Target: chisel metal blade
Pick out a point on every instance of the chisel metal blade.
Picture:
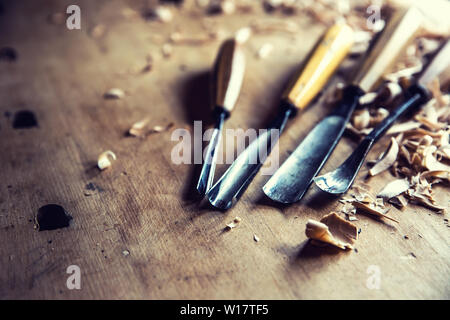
(235, 180)
(293, 178)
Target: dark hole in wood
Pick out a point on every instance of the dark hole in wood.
(24, 119)
(51, 217)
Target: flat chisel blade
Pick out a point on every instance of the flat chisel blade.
(293, 178)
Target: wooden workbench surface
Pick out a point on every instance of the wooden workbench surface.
(177, 248)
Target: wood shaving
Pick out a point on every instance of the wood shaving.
(373, 210)
(388, 160)
(361, 119)
(333, 230)
(424, 201)
(264, 51)
(163, 14)
(114, 93)
(159, 129)
(394, 188)
(403, 127)
(368, 98)
(255, 238)
(140, 128)
(228, 7)
(389, 92)
(233, 224)
(105, 159)
(243, 34)
(137, 130)
(399, 201)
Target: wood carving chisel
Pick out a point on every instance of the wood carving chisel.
(340, 180)
(324, 60)
(291, 181)
(228, 74)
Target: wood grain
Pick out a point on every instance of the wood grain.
(143, 203)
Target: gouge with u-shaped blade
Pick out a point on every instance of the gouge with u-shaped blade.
(326, 57)
(291, 181)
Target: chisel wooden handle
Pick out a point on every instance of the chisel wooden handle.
(398, 32)
(323, 62)
(228, 75)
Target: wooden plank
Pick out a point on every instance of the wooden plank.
(177, 248)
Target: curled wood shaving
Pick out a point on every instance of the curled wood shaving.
(424, 201)
(404, 73)
(161, 13)
(114, 93)
(105, 159)
(137, 129)
(333, 230)
(388, 160)
(264, 51)
(243, 34)
(394, 188)
(403, 127)
(368, 98)
(399, 201)
(233, 224)
(371, 209)
(437, 174)
(361, 119)
(158, 129)
(390, 91)
(256, 238)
